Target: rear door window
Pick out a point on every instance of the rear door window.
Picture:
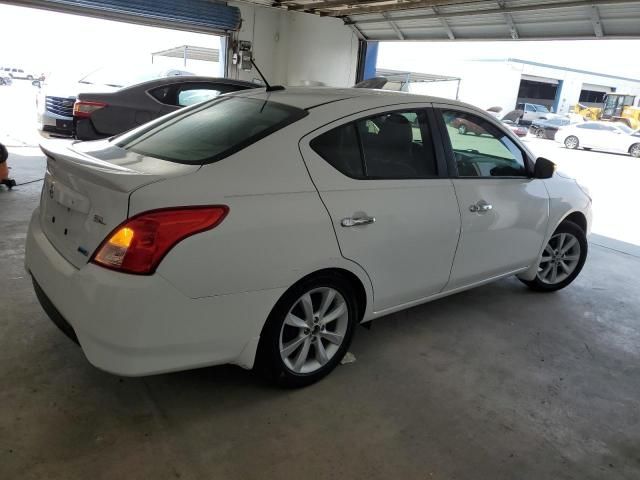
(394, 145)
(210, 131)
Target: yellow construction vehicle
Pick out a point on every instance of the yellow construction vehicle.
(617, 107)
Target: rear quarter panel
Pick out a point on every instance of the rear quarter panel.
(277, 230)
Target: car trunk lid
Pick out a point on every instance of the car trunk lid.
(86, 192)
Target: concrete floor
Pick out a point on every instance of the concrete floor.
(495, 383)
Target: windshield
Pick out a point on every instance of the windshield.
(208, 132)
(624, 128)
(558, 121)
(123, 77)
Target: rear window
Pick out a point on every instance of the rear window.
(211, 131)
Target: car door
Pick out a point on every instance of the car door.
(504, 210)
(392, 207)
(618, 139)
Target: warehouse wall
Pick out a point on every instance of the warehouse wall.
(295, 48)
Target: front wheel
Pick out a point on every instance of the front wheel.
(309, 331)
(571, 142)
(634, 151)
(562, 259)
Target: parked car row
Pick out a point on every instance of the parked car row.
(18, 73)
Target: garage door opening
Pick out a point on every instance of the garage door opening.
(538, 82)
(539, 91)
(45, 74)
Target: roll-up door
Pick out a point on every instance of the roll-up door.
(193, 15)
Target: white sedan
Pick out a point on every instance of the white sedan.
(260, 228)
(606, 136)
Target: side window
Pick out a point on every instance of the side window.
(339, 147)
(529, 108)
(482, 149)
(393, 146)
(162, 94)
(192, 96)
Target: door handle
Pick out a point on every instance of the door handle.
(480, 207)
(352, 222)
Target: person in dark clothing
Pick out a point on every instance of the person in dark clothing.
(4, 169)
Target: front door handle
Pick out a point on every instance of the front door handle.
(480, 207)
(354, 221)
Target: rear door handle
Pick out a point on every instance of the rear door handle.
(480, 207)
(352, 222)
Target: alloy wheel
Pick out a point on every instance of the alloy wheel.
(462, 129)
(635, 150)
(571, 142)
(559, 258)
(540, 133)
(313, 330)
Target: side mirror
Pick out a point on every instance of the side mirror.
(544, 168)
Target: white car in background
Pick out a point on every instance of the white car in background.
(261, 227)
(605, 136)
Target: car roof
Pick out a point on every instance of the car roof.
(311, 97)
(177, 79)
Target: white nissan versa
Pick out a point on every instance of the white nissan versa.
(261, 227)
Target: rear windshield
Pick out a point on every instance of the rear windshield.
(211, 131)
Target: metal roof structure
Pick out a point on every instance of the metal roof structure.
(189, 52)
(479, 20)
(400, 80)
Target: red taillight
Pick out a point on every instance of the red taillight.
(140, 243)
(84, 109)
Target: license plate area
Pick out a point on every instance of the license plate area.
(63, 217)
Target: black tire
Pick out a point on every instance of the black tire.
(269, 362)
(634, 150)
(462, 129)
(571, 228)
(571, 142)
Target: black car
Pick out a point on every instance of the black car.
(548, 128)
(101, 115)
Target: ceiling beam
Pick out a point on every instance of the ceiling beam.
(445, 24)
(354, 28)
(488, 11)
(393, 25)
(596, 22)
(510, 23)
(357, 7)
(327, 4)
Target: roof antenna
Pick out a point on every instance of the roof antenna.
(270, 88)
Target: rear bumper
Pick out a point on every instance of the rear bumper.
(84, 130)
(138, 325)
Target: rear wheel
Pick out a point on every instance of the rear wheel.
(571, 142)
(308, 331)
(540, 133)
(462, 129)
(562, 259)
(634, 151)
